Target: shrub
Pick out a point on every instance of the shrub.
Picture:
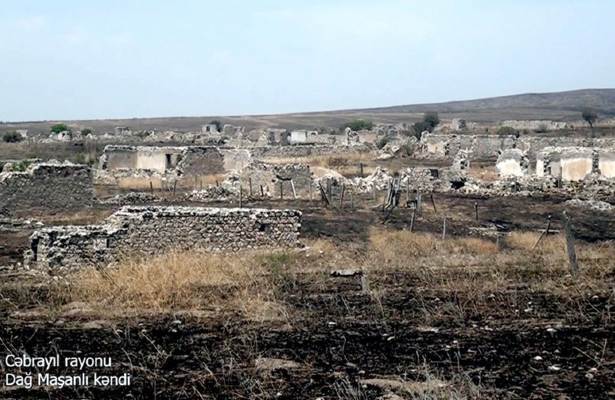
(506, 131)
(359, 125)
(429, 123)
(217, 123)
(86, 131)
(12, 137)
(57, 128)
(380, 143)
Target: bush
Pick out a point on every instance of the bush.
(429, 123)
(506, 131)
(12, 137)
(432, 119)
(359, 125)
(217, 123)
(57, 128)
(86, 131)
(380, 143)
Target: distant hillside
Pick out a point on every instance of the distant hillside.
(561, 106)
(602, 100)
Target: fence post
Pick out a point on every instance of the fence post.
(572, 255)
(444, 228)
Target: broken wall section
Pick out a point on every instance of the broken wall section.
(146, 231)
(46, 186)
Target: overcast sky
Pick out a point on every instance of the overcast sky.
(66, 59)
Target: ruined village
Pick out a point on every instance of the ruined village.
(428, 259)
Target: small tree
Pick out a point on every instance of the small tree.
(217, 123)
(590, 117)
(12, 137)
(57, 128)
(86, 131)
(359, 125)
(507, 131)
(429, 123)
(432, 119)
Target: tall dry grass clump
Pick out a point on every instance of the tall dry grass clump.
(404, 248)
(178, 281)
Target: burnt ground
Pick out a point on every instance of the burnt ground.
(353, 222)
(338, 334)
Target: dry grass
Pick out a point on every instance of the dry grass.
(190, 281)
(256, 284)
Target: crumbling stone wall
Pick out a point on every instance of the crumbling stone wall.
(275, 179)
(306, 151)
(512, 162)
(606, 162)
(567, 163)
(46, 186)
(135, 232)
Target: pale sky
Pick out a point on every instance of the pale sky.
(69, 59)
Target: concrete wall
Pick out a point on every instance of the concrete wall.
(46, 187)
(135, 232)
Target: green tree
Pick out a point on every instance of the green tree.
(359, 125)
(57, 128)
(429, 123)
(12, 137)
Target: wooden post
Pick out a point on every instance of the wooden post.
(361, 167)
(433, 203)
(151, 187)
(281, 190)
(250, 185)
(262, 191)
(408, 191)
(217, 184)
(572, 255)
(292, 186)
(419, 202)
(444, 228)
(342, 196)
(545, 233)
(240, 196)
(323, 194)
(413, 219)
(476, 210)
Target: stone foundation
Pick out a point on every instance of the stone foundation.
(137, 232)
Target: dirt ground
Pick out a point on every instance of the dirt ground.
(338, 340)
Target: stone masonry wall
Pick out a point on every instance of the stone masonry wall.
(136, 232)
(46, 186)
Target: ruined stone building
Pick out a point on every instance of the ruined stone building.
(135, 232)
(46, 186)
